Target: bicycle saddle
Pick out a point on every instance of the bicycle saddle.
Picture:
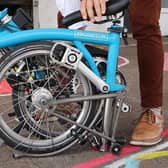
(112, 7)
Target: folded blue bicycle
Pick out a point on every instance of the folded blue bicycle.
(64, 90)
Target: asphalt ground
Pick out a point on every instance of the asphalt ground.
(79, 156)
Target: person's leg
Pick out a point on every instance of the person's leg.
(144, 17)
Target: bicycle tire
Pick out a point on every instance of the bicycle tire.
(39, 146)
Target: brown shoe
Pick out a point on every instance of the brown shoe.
(148, 130)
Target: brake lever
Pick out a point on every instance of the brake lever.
(109, 18)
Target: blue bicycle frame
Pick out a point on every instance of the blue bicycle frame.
(77, 37)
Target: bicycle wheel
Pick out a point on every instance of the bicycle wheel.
(26, 123)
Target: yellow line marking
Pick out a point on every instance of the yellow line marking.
(153, 155)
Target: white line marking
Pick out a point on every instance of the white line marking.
(126, 61)
(3, 95)
(122, 161)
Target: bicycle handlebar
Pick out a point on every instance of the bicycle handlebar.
(112, 7)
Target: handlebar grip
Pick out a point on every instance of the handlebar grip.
(112, 7)
(71, 19)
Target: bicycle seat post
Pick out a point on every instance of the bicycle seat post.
(106, 123)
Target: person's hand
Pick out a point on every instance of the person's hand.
(88, 6)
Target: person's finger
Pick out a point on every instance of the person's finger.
(83, 9)
(90, 12)
(97, 7)
(103, 6)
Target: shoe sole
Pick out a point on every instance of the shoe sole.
(145, 143)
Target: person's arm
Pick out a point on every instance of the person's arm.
(88, 6)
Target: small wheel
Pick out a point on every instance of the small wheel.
(126, 108)
(115, 149)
